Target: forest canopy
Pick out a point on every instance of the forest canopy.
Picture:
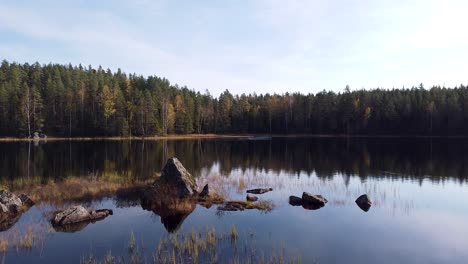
(76, 101)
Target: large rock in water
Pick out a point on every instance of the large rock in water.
(176, 180)
(77, 214)
(11, 208)
(364, 202)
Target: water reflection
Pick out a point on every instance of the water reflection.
(415, 185)
(415, 159)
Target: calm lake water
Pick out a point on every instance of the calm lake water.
(418, 187)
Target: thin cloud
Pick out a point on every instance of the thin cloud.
(262, 46)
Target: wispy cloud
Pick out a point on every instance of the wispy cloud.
(246, 46)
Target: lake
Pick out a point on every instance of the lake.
(418, 187)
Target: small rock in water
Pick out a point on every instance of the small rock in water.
(364, 202)
(294, 200)
(260, 190)
(251, 197)
(206, 191)
(314, 200)
(78, 214)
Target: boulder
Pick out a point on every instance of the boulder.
(176, 180)
(206, 192)
(251, 197)
(260, 190)
(77, 214)
(364, 202)
(11, 208)
(313, 200)
(9, 202)
(295, 201)
(26, 200)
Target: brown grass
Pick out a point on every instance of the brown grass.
(3, 245)
(199, 247)
(76, 188)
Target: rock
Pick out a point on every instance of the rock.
(26, 200)
(173, 196)
(176, 180)
(11, 208)
(260, 190)
(94, 216)
(313, 200)
(243, 205)
(206, 191)
(78, 214)
(231, 207)
(10, 203)
(251, 197)
(295, 201)
(364, 202)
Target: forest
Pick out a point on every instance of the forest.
(76, 101)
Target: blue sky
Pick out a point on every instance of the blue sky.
(248, 46)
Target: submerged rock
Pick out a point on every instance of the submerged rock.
(251, 197)
(295, 201)
(77, 214)
(243, 205)
(11, 208)
(364, 202)
(260, 190)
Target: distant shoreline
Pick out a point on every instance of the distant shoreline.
(215, 136)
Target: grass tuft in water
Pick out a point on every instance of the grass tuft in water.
(196, 247)
(233, 234)
(3, 245)
(131, 243)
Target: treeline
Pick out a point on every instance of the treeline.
(72, 101)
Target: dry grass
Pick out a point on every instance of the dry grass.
(233, 234)
(199, 247)
(131, 242)
(24, 241)
(3, 245)
(76, 188)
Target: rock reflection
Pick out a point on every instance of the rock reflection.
(172, 212)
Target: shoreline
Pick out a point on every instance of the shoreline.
(217, 136)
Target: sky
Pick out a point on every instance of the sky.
(246, 46)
